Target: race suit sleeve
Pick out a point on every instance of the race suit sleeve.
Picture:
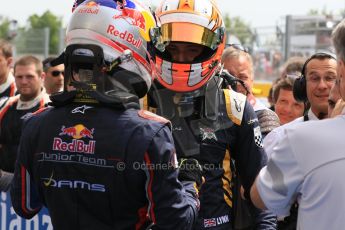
(278, 182)
(251, 159)
(24, 195)
(172, 204)
(250, 156)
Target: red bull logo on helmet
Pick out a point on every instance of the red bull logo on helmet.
(77, 132)
(135, 14)
(89, 8)
(91, 3)
(133, 17)
(127, 36)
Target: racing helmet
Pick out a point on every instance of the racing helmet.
(108, 47)
(188, 21)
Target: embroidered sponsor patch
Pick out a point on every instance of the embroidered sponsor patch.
(208, 133)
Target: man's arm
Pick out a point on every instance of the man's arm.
(256, 199)
(277, 184)
(25, 198)
(173, 205)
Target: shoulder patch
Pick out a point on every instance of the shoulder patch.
(235, 103)
(151, 116)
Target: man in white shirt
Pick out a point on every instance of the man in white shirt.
(313, 87)
(306, 165)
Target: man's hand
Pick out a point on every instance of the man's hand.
(190, 170)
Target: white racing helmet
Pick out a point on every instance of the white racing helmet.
(108, 47)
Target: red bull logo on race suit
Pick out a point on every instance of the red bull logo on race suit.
(79, 146)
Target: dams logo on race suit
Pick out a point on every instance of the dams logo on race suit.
(77, 132)
(72, 184)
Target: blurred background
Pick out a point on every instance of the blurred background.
(273, 31)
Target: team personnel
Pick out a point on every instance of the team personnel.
(313, 87)
(286, 106)
(307, 167)
(210, 122)
(94, 159)
(239, 63)
(53, 76)
(7, 84)
(28, 78)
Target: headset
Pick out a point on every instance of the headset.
(300, 84)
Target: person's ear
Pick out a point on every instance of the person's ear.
(9, 61)
(341, 69)
(43, 76)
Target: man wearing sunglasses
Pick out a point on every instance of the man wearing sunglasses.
(53, 76)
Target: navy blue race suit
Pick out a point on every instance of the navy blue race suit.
(220, 129)
(101, 168)
(11, 120)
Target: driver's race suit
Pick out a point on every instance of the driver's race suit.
(220, 129)
(100, 168)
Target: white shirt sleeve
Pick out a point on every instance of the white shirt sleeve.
(279, 182)
(271, 140)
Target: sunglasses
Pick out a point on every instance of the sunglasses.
(57, 73)
(238, 47)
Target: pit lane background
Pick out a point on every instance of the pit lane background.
(9, 220)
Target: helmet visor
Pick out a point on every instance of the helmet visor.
(188, 32)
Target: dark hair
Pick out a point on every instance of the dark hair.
(46, 62)
(318, 56)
